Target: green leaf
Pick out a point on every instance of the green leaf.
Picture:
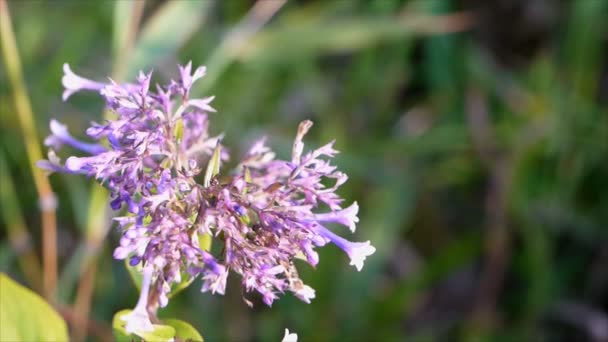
(184, 330)
(213, 168)
(160, 332)
(25, 316)
(305, 36)
(166, 31)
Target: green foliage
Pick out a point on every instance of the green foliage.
(213, 167)
(164, 33)
(25, 316)
(447, 130)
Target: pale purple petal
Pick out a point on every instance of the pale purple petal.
(347, 217)
(203, 104)
(74, 83)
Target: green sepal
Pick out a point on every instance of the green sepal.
(178, 130)
(213, 168)
(204, 242)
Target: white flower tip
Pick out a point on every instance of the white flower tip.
(290, 337)
(352, 212)
(215, 281)
(203, 104)
(305, 293)
(57, 128)
(358, 254)
(66, 94)
(298, 145)
(137, 321)
(198, 73)
(121, 253)
(73, 164)
(70, 81)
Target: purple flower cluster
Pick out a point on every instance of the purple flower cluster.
(262, 215)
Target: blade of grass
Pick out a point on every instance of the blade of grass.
(127, 17)
(310, 37)
(236, 40)
(16, 229)
(164, 33)
(23, 108)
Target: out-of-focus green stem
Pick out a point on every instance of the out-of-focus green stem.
(127, 16)
(237, 38)
(32, 146)
(17, 232)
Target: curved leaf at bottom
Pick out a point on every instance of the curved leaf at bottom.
(25, 316)
(184, 330)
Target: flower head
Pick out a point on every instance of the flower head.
(265, 213)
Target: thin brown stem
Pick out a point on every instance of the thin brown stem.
(483, 316)
(82, 305)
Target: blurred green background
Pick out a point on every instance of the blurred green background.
(475, 135)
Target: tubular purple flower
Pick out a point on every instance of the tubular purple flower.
(187, 78)
(74, 83)
(356, 251)
(138, 320)
(347, 217)
(61, 136)
(215, 275)
(305, 293)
